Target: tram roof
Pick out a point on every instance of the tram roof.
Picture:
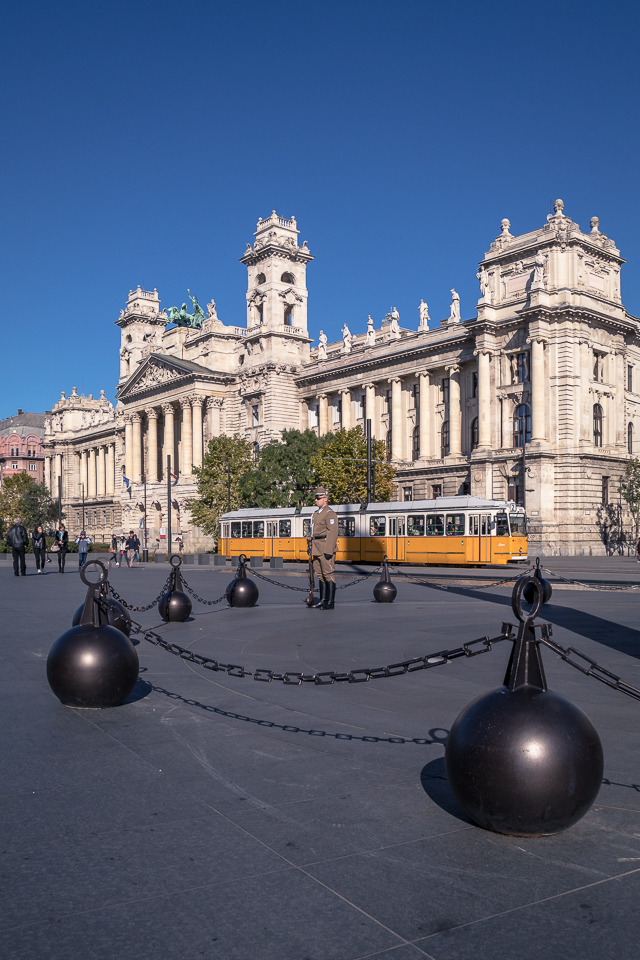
(396, 506)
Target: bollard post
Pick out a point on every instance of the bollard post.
(175, 605)
(385, 591)
(547, 589)
(242, 592)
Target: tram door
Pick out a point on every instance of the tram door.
(480, 534)
(272, 532)
(395, 541)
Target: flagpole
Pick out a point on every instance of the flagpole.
(169, 503)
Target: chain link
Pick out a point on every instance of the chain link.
(276, 583)
(329, 676)
(593, 670)
(210, 603)
(129, 606)
(459, 583)
(593, 586)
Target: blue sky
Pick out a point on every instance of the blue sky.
(142, 141)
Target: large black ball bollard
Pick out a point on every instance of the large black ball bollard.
(547, 589)
(523, 760)
(242, 592)
(116, 616)
(175, 606)
(92, 665)
(385, 591)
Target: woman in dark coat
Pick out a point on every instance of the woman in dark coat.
(62, 540)
(39, 548)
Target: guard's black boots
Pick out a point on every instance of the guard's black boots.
(319, 604)
(330, 597)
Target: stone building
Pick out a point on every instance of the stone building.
(548, 366)
(21, 448)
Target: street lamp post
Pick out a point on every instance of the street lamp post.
(83, 526)
(145, 549)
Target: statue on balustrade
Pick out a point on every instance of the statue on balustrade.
(184, 319)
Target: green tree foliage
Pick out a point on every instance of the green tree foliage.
(341, 464)
(212, 500)
(21, 496)
(630, 490)
(284, 475)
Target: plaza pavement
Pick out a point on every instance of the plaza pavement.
(222, 818)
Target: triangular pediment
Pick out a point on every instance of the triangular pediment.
(158, 371)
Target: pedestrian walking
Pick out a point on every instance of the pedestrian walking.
(18, 539)
(324, 540)
(39, 542)
(638, 549)
(132, 545)
(61, 542)
(84, 542)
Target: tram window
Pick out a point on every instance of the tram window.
(285, 528)
(258, 528)
(377, 526)
(415, 525)
(347, 527)
(473, 526)
(455, 524)
(246, 528)
(502, 525)
(235, 528)
(518, 524)
(306, 528)
(435, 525)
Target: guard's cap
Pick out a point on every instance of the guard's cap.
(322, 491)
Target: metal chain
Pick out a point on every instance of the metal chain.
(593, 670)
(592, 586)
(329, 676)
(210, 603)
(129, 606)
(367, 576)
(459, 583)
(276, 583)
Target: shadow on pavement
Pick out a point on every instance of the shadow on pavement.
(435, 784)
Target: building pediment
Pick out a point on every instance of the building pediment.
(159, 373)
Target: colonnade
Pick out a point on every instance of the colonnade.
(189, 450)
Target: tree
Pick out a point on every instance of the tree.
(284, 475)
(630, 490)
(341, 465)
(224, 455)
(21, 496)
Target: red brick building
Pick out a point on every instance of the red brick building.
(21, 445)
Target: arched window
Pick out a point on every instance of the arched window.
(474, 433)
(287, 278)
(260, 279)
(288, 316)
(416, 443)
(389, 442)
(522, 425)
(444, 439)
(630, 437)
(597, 425)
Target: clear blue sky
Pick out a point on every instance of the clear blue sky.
(142, 141)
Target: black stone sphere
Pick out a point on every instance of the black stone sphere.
(117, 616)
(174, 606)
(385, 591)
(92, 667)
(526, 762)
(528, 592)
(242, 592)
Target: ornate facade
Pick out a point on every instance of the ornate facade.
(550, 361)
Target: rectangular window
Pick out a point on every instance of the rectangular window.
(502, 526)
(415, 525)
(337, 410)
(518, 525)
(435, 525)
(306, 528)
(285, 528)
(347, 527)
(255, 415)
(224, 531)
(455, 524)
(407, 493)
(235, 529)
(605, 491)
(258, 528)
(523, 367)
(246, 528)
(377, 526)
(436, 490)
(313, 415)
(358, 407)
(445, 389)
(630, 378)
(32, 467)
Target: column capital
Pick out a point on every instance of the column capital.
(484, 352)
(136, 417)
(367, 384)
(197, 401)
(185, 403)
(168, 408)
(345, 390)
(425, 373)
(394, 380)
(214, 402)
(537, 339)
(452, 368)
(322, 396)
(152, 413)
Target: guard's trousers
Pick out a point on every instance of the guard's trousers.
(323, 568)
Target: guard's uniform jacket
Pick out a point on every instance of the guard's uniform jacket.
(324, 536)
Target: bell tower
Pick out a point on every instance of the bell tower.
(277, 277)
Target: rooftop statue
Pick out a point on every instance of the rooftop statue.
(183, 319)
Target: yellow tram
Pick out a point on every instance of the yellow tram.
(448, 530)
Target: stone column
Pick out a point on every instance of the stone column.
(111, 469)
(186, 447)
(58, 474)
(538, 392)
(425, 416)
(484, 400)
(47, 473)
(455, 448)
(152, 445)
(137, 448)
(169, 443)
(323, 415)
(397, 425)
(369, 407)
(346, 409)
(507, 422)
(128, 447)
(196, 407)
(92, 490)
(101, 483)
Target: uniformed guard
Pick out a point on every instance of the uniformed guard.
(324, 539)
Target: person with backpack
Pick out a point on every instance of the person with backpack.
(18, 539)
(84, 543)
(132, 546)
